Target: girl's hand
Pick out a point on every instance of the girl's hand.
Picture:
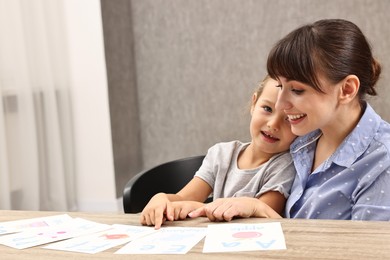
(154, 212)
(227, 208)
(160, 208)
(181, 209)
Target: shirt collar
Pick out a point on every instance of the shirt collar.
(353, 146)
(303, 141)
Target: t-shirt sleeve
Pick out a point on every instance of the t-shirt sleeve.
(279, 175)
(216, 162)
(205, 171)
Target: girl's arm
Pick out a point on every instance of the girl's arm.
(275, 200)
(196, 190)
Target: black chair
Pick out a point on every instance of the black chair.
(168, 177)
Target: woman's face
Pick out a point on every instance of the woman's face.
(306, 108)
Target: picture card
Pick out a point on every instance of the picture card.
(169, 240)
(39, 236)
(117, 235)
(25, 224)
(244, 237)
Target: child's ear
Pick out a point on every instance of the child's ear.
(254, 100)
(349, 88)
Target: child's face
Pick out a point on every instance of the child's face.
(270, 130)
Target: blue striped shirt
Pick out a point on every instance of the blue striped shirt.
(353, 183)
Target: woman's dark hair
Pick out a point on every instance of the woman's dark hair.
(333, 48)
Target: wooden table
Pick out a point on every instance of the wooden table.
(305, 239)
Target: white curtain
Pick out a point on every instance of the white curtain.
(36, 141)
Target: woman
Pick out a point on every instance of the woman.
(342, 158)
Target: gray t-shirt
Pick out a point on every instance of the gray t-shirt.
(219, 169)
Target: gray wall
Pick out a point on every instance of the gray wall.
(195, 64)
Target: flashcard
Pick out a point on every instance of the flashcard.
(98, 242)
(169, 240)
(39, 236)
(24, 224)
(244, 237)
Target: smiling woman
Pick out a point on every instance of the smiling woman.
(324, 70)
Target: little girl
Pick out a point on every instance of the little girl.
(261, 169)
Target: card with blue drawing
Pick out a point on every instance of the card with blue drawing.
(244, 237)
(117, 235)
(172, 240)
(39, 236)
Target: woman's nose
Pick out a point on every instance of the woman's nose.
(281, 103)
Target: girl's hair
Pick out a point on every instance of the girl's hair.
(260, 87)
(333, 48)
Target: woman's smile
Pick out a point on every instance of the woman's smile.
(295, 119)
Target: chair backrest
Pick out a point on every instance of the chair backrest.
(169, 177)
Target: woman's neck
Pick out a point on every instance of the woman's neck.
(333, 135)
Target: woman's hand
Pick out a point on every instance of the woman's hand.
(227, 208)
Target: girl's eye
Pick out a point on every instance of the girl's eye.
(267, 109)
(279, 86)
